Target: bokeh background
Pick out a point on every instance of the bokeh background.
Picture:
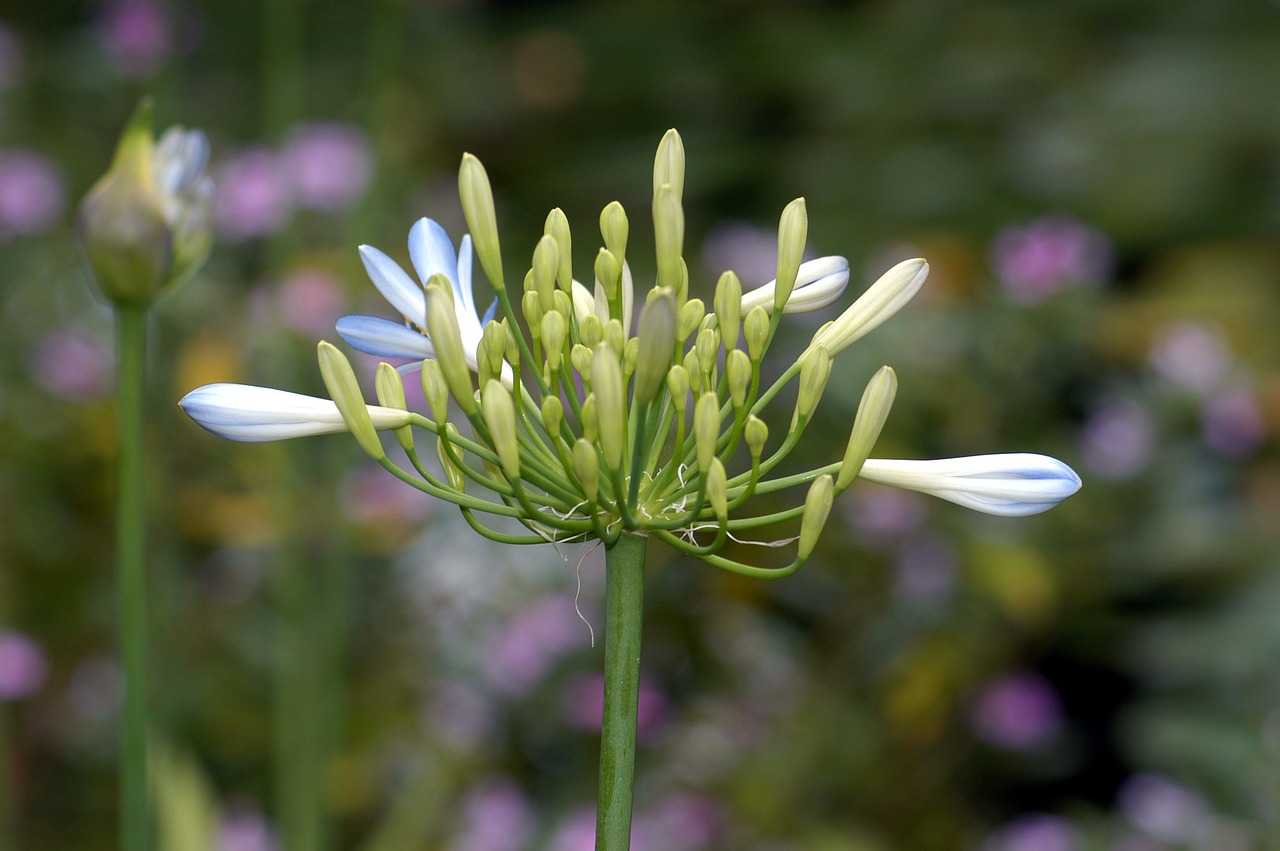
(339, 663)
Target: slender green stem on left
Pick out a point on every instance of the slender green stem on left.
(131, 327)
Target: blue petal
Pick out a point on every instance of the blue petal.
(489, 314)
(384, 338)
(432, 252)
(464, 274)
(396, 287)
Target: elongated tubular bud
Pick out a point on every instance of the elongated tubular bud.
(755, 329)
(554, 333)
(552, 416)
(589, 419)
(586, 467)
(678, 385)
(817, 508)
(690, 318)
(531, 306)
(707, 345)
(614, 228)
(882, 299)
(668, 233)
(452, 474)
(436, 390)
(815, 370)
(657, 341)
(546, 263)
(606, 384)
(717, 489)
(557, 226)
(442, 324)
(1010, 485)
(477, 206)
(737, 368)
(873, 410)
(793, 231)
(728, 305)
(706, 429)
(390, 388)
(344, 390)
(499, 413)
(669, 164)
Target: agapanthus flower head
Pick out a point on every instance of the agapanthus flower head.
(144, 226)
(559, 412)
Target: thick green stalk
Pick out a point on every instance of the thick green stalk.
(624, 604)
(131, 556)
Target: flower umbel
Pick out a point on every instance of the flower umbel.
(584, 427)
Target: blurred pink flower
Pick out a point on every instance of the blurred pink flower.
(881, 515)
(1034, 832)
(23, 665)
(10, 57)
(137, 35)
(245, 830)
(577, 832)
(926, 570)
(310, 300)
(32, 194)
(748, 249)
(1035, 260)
(253, 197)
(329, 165)
(1164, 809)
(72, 366)
(1192, 355)
(496, 816)
(523, 650)
(681, 822)
(1019, 712)
(369, 495)
(1117, 440)
(584, 705)
(1233, 423)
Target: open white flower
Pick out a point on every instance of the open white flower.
(432, 253)
(818, 283)
(252, 414)
(1011, 485)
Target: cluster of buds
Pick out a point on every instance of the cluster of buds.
(579, 423)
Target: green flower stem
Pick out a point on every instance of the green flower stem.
(131, 325)
(624, 604)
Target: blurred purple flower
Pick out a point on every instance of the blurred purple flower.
(1019, 712)
(245, 830)
(496, 816)
(1035, 260)
(681, 822)
(882, 514)
(32, 194)
(1117, 440)
(10, 57)
(72, 366)
(310, 301)
(329, 165)
(1233, 423)
(1164, 809)
(748, 249)
(253, 195)
(461, 713)
(370, 496)
(23, 665)
(1034, 832)
(926, 570)
(523, 650)
(137, 35)
(577, 832)
(1192, 355)
(584, 705)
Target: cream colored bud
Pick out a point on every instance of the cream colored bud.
(669, 164)
(691, 315)
(737, 370)
(344, 390)
(552, 416)
(717, 487)
(630, 353)
(442, 324)
(580, 359)
(436, 390)
(678, 385)
(586, 468)
(611, 406)
(563, 302)
(590, 419)
(390, 389)
(817, 508)
(557, 226)
(656, 343)
(452, 474)
(531, 306)
(546, 262)
(499, 413)
(755, 330)
(511, 346)
(608, 272)
(477, 206)
(815, 370)
(707, 346)
(755, 433)
(882, 299)
(873, 410)
(494, 339)
(615, 337)
(614, 228)
(668, 232)
(793, 231)
(693, 369)
(728, 305)
(706, 429)
(554, 333)
(590, 331)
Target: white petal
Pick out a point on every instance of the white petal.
(465, 258)
(1011, 485)
(584, 304)
(882, 299)
(252, 414)
(395, 285)
(818, 283)
(384, 338)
